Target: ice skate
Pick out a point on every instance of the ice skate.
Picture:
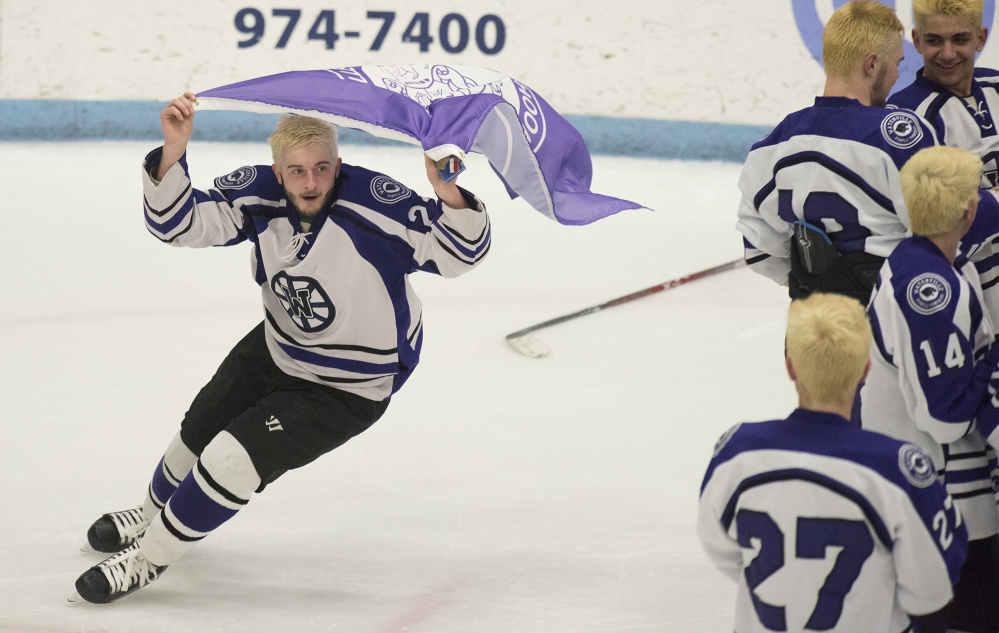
(115, 531)
(116, 577)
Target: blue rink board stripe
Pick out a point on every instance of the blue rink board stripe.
(43, 120)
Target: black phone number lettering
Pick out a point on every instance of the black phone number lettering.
(454, 31)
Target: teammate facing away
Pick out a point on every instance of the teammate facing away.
(932, 358)
(333, 246)
(959, 100)
(825, 526)
(821, 205)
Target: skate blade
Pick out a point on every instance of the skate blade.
(86, 549)
(75, 597)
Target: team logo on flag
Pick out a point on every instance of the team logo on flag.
(306, 302)
(532, 117)
(387, 190)
(928, 293)
(901, 129)
(916, 466)
(237, 179)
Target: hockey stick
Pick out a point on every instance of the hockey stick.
(533, 347)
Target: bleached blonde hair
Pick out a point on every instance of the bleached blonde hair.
(295, 131)
(855, 29)
(828, 342)
(937, 185)
(970, 9)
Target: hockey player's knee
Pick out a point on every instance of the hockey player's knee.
(226, 466)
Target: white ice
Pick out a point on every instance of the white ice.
(499, 494)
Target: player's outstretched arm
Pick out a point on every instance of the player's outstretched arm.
(177, 121)
(446, 191)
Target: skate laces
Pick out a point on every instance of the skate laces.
(130, 524)
(127, 568)
(297, 241)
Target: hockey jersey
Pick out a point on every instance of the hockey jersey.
(834, 165)
(966, 123)
(826, 527)
(339, 308)
(931, 363)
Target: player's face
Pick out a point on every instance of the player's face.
(948, 44)
(308, 175)
(887, 73)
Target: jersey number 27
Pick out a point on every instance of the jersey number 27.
(814, 535)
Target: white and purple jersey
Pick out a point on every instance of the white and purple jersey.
(930, 366)
(966, 123)
(827, 527)
(338, 306)
(963, 122)
(835, 166)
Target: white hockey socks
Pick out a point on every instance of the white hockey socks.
(212, 492)
(175, 464)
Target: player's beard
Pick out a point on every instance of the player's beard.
(880, 89)
(296, 199)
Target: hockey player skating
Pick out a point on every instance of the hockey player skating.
(821, 206)
(824, 526)
(933, 356)
(342, 331)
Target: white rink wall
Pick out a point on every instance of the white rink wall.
(734, 66)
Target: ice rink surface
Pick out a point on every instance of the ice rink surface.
(499, 494)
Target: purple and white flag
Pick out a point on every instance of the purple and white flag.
(449, 111)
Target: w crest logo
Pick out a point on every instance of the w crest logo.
(274, 424)
(306, 302)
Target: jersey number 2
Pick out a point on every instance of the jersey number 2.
(814, 535)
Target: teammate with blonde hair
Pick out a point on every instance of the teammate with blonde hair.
(333, 248)
(821, 205)
(932, 358)
(864, 32)
(850, 530)
(828, 343)
(940, 186)
(960, 101)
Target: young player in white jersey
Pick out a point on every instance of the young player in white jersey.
(932, 358)
(333, 246)
(821, 207)
(824, 526)
(958, 100)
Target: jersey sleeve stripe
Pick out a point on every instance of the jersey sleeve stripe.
(160, 213)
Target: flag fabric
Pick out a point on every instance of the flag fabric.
(449, 111)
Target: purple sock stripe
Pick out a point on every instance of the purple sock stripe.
(195, 510)
(161, 485)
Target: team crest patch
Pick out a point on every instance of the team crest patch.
(723, 440)
(237, 179)
(901, 129)
(387, 190)
(916, 466)
(306, 302)
(928, 293)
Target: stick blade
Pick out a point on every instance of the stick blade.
(529, 346)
